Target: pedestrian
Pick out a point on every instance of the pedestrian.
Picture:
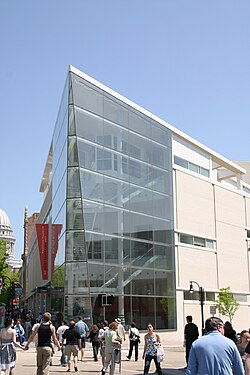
(191, 333)
(120, 330)
(134, 340)
(73, 344)
(230, 332)
(45, 331)
(27, 326)
(7, 347)
(112, 341)
(60, 331)
(151, 343)
(213, 353)
(104, 327)
(35, 339)
(19, 332)
(83, 330)
(243, 342)
(94, 339)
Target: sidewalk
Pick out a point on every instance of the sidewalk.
(173, 363)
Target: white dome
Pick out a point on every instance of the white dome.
(4, 219)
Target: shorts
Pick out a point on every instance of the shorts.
(83, 342)
(71, 349)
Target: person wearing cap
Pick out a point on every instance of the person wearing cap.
(120, 329)
(213, 353)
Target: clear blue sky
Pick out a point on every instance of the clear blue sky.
(187, 61)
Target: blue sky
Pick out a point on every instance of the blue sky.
(187, 61)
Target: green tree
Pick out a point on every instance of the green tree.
(226, 303)
(5, 273)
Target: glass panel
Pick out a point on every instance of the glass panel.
(87, 155)
(113, 279)
(88, 125)
(72, 152)
(86, 96)
(96, 277)
(72, 124)
(74, 189)
(163, 231)
(142, 254)
(143, 283)
(93, 216)
(58, 251)
(204, 172)
(193, 167)
(210, 244)
(92, 186)
(115, 110)
(74, 214)
(112, 220)
(113, 246)
(138, 226)
(119, 135)
(95, 246)
(185, 238)
(165, 313)
(210, 296)
(161, 134)
(162, 206)
(163, 257)
(179, 161)
(75, 247)
(143, 311)
(199, 241)
(140, 124)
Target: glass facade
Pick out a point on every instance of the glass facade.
(112, 197)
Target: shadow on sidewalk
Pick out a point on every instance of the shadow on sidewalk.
(174, 371)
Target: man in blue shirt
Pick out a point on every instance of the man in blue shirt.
(83, 329)
(214, 354)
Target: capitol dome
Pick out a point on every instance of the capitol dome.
(4, 220)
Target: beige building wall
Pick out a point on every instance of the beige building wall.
(194, 205)
(214, 212)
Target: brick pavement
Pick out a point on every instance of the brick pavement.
(172, 365)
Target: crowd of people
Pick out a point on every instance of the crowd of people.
(218, 351)
(70, 338)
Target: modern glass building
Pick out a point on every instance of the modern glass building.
(113, 202)
(135, 209)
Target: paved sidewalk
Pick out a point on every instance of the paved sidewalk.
(173, 363)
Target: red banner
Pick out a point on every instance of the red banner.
(42, 232)
(56, 230)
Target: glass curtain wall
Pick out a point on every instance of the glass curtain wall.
(119, 236)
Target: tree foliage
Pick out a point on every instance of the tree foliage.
(5, 273)
(226, 303)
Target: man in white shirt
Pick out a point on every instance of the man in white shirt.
(60, 331)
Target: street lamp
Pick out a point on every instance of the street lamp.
(201, 299)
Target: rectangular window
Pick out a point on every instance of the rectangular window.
(179, 161)
(196, 241)
(185, 238)
(199, 241)
(191, 166)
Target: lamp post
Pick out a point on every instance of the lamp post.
(201, 299)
